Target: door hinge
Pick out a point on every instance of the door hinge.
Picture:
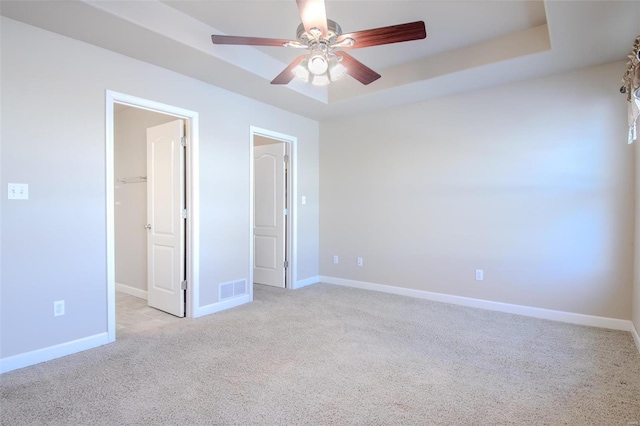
(286, 264)
(183, 285)
(286, 212)
(183, 141)
(286, 158)
(184, 213)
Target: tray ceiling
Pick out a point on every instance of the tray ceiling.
(469, 44)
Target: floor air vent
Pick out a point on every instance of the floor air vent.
(233, 289)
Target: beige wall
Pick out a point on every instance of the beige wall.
(531, 182)
(130, 210)
(53, 91)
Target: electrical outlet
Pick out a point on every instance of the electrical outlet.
(336, 260)
(360, 262)
(479, 275)
(58, 308)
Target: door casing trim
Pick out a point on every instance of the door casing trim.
(192, 195)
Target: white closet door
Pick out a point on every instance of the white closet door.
(166, 227)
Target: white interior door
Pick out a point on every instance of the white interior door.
(269, 214)
(166, 226)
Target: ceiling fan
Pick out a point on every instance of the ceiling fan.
(326, 60)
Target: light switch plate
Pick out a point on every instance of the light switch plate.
(18, 191)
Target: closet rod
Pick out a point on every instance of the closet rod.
(134, 179)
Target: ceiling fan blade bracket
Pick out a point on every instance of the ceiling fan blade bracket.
(296, 45)
(344, 43)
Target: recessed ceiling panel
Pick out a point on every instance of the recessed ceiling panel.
(450, 24)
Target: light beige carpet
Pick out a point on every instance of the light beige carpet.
(337, 356)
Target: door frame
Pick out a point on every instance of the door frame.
(291, 274)
(192, 197)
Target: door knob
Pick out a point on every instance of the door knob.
(147, 226)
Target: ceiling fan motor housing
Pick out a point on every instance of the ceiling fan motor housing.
(333, 32)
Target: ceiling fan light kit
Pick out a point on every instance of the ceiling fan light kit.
(325, 62)
(320, 68)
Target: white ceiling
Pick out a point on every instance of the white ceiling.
(469, 45)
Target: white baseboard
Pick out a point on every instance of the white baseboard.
(570, 317)
(132, 291)
(636, 336)
(52, 352)
(307, 281)
(221, 306)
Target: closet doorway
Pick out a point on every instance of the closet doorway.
(273, 213)
(150, 240)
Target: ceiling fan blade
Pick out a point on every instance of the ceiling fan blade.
(386, 35)
(249, 41)
(313, 14)
(287, 75)
(357, 69)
